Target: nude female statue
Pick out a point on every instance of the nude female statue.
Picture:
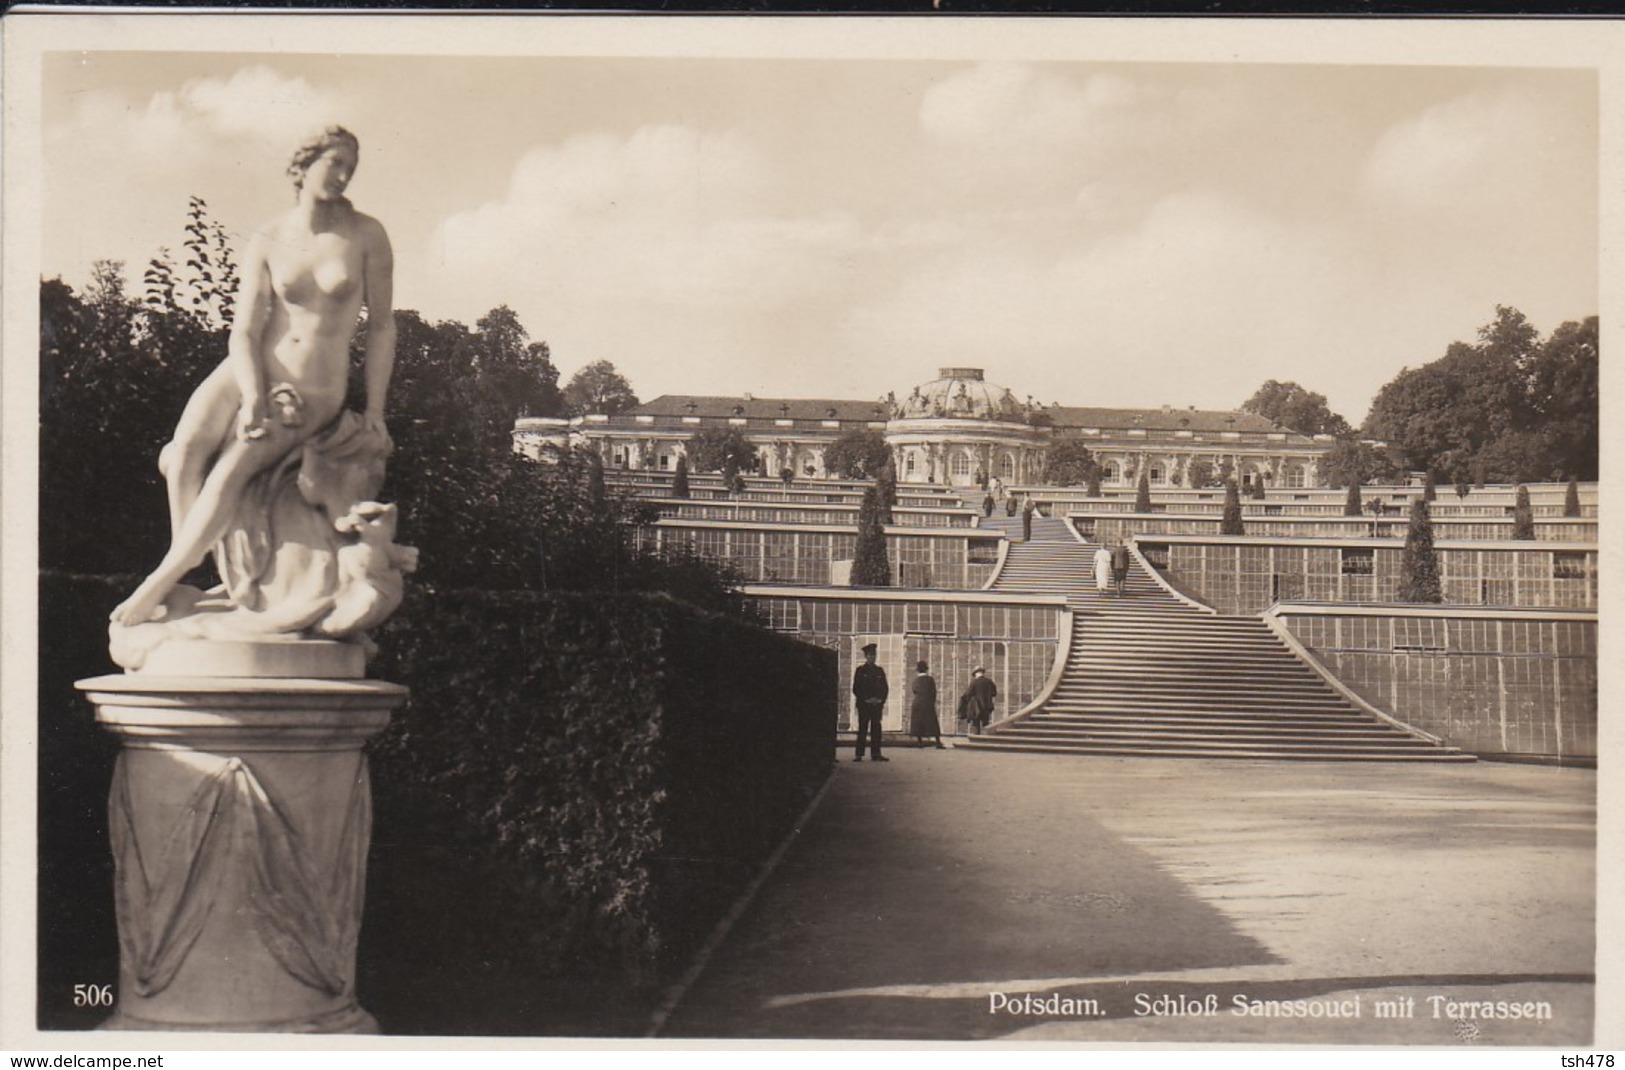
(306, 276)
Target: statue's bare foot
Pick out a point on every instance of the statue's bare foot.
(145, 605)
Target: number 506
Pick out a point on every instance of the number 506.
(92, 995)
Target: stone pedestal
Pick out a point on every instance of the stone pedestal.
(240, 818)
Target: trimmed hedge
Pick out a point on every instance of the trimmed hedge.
(587, 783)
(578, 789)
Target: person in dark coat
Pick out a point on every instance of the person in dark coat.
(978, 700)
(1027, 520)
(922, 712)
(870, 689)
(987, 505)
(1120, 566)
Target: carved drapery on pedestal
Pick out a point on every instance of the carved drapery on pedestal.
(240, 814)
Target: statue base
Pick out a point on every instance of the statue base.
(240, 818)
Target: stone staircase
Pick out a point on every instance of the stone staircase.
(1149, 675)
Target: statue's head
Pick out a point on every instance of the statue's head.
(307, 153)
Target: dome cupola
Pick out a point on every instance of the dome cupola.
(960, 394)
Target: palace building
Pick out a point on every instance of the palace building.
(955, 430)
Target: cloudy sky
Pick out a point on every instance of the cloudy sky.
(1089, 233)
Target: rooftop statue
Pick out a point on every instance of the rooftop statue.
(267, 468)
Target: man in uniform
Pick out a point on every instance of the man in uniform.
(869, 688)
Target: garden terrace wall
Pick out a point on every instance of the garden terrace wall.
(929, 558)
(712, 488)
(1015, 637)
(1497, 683)
(1111, 527)
(844, 515)
(1546, 499)
(1244, 574)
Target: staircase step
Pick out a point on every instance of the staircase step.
(1216, 738)
(1150, 675)
(1072, 718)
(1386, 754)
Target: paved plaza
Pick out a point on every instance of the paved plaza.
(954, 895)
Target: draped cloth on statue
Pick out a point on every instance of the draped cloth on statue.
(308, 554)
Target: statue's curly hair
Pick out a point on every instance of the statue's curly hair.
(306, 153)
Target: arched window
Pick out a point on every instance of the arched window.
(1157, 474)
(1007, 466)
(961, 464)
(908, 463)
(1293, 475)
(1113, 472)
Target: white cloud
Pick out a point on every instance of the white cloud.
(175, 130)
(664, 217)
(1492, 152)
(665, 244)
(1172, 295)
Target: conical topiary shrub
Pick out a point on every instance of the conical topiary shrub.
(1419, 567)
(1231, 523)
(1523, 515)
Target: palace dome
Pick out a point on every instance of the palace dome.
(960, 394)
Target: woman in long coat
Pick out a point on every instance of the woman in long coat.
(922, 711)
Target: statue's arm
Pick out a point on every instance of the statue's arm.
(245, 348)
(380, 297)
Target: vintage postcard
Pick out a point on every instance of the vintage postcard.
(483, 494)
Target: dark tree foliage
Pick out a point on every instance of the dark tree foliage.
(1523, 515)
(870, 565)
(1200, 473)
(1419, 565)
(516, 375)
(1142, 492)
(113, 380)
(857, 454)
(721, 449)
(1508, 408)
(1564, 386)
(1430, 488)
(1294, 407)
(212, 295)
(679, 480)
(1255, 489)
(1351, 461)
(1352, 505)
(599, 388)
(1571, 498)
(1069, 463)
(1230, 523)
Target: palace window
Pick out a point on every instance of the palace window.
(961, 464)
(1293, 475)
(1568, 566)
(1007, 466)
(1157, 474)
(1113, 472)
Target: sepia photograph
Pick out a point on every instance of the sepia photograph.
(554, 529)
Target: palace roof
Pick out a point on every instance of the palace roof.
(1209, 421)
(754, 408)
